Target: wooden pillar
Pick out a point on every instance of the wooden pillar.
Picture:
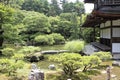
(111, 30)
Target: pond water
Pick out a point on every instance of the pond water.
(54, 47)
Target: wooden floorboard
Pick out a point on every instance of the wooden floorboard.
(101, 46)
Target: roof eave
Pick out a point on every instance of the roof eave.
(89, 1)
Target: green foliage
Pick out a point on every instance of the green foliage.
(29, 49)
(26, 25)
(65, 28)
(41, 39)
(18, 56)
(74, 46)
(104, 56)
(6, 14)
(73, 7)
(66, 16)
(49, 39)
(58, 38)
(70, 25)
(41, 6)
(54, 8)
(81, 76)
(36, 22)
(92, 72)
(4, 63)
(89, 61)
(14, 66)
(14, 28)
(69, 61)
(54, 21)
(9, 66)
(8, 52)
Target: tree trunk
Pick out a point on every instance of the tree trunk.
(1, 37)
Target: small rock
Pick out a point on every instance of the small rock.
(103, 72)
(52, 67)
(115, 63)
(113, 76)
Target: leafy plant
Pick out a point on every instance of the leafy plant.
(50, 40)
(104, 56)
(89, 61)
(74, 46)
(4, 63)
(29, 49)
(69, 62)
(41, 40)
(58, 38)
(8, 52)
(18, 56)
(10, 66)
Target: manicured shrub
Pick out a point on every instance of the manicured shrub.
(50, 40)
(89, 62)
(41, 40)
(74, 46)
(10, 66)
(8, 52)
(18, 56)
(58, 38)
(69, 62)
(28, 49)
(104, 56)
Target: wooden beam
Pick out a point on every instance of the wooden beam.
(105, 27)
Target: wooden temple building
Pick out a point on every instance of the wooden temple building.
(106, 17)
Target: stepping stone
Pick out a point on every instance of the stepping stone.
(103, 72)
(113, 76)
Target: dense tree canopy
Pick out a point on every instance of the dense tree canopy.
(32, 18)
(6, 14)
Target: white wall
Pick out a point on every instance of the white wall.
(105, 33)
(116, 56)
(116, 32)
(102, 25)
(107, 23)
(116, 47)
(116, 22)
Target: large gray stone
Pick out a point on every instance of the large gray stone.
(115, 63)
(35, 73)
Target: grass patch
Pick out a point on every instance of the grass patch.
(92, 72)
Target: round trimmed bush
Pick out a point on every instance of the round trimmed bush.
(41, 40)
(104, 56)
(58, 38)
